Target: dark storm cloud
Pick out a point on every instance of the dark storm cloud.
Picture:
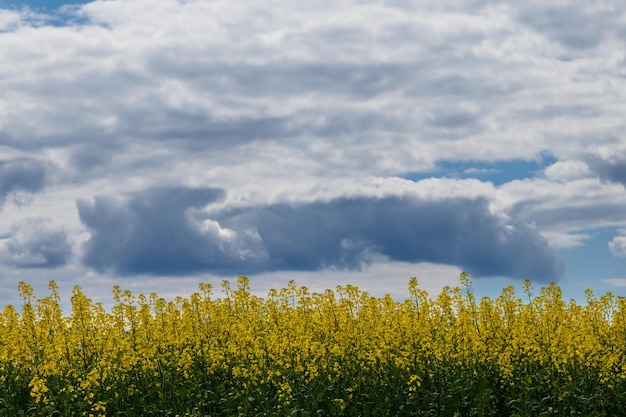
(153, 232)
(23, 174)
(36, 243)
(612, 169)
(462, 232)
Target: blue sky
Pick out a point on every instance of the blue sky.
(49, 5)
(157, 144)
(496, 172)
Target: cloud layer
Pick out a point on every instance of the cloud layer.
(169, 138)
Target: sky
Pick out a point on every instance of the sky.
(156, 144)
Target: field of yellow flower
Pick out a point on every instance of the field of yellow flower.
(296, 353)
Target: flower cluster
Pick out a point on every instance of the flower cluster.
(340, 352)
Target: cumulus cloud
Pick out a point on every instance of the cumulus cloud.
(568, 170)
(36, 243)
(617, 246)
(152, 232)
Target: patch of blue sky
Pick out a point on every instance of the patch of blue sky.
(589, 266)
(498, 172)
(56, 13)
(45, 6)
(592, 265)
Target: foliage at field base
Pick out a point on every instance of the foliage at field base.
(296, 353)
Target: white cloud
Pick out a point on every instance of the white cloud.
(564, 239)
(616, 282)
(9, 20)
(565, 171)
(617, 246)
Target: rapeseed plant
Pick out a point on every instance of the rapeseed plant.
(339, 352)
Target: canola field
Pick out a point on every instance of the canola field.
(297, 353)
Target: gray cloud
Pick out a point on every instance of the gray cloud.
(579, 215)
(150, 233)
(461, 231)
(356, 80)
(23, 174)
(86, 159)
(37, 243)
(574, 25)
(612, 169)
(546, 112)
(451, 119)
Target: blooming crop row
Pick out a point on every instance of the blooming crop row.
(293, 352)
